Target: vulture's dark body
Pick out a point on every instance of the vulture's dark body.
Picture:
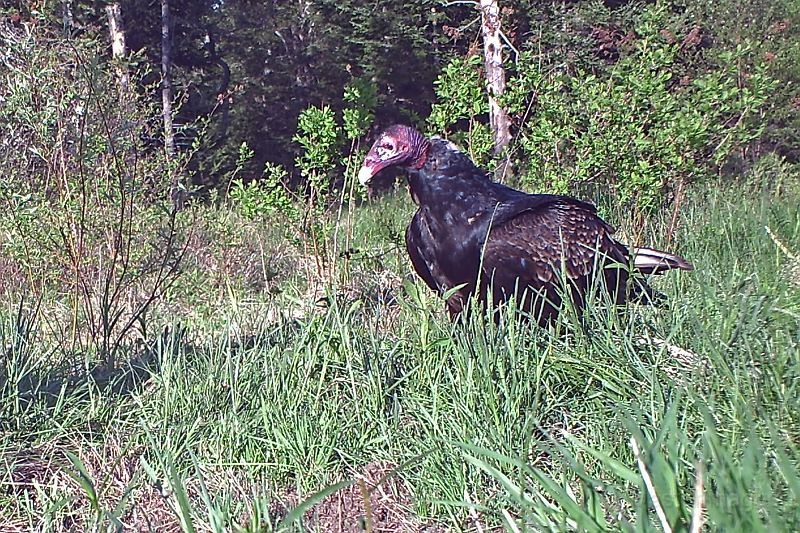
(480, 237)
(534, 241)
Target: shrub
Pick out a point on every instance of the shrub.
(461, 108)
(638, 126)
(85, 211)
(266, 196)
(637, 130)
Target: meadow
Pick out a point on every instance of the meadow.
(269, 392)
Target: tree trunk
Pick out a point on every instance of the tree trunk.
(495, 79)
(176, 192)
(67, 17)
(166, 80)
(118, 48)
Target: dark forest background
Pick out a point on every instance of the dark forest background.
(243, 70)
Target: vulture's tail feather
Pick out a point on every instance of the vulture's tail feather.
(651, 261)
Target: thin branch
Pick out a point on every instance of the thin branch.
(472, 3)
(508, 43)
(781, 246)
(473, 513)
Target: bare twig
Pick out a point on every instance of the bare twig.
(362, 485)
(676, 207)
(511, 46)
(473, 513)
(781, 246)
(472, 3)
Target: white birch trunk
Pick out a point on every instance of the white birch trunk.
(166, 80)
(116, 31)
(67, 17)
(495, 77)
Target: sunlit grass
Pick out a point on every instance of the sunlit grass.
(226, 423)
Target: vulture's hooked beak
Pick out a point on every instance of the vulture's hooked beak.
(365, 174)
(371, 166)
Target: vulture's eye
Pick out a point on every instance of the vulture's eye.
(385, 149)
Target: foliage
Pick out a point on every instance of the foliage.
(84, 212)
(663, 112)
(247, 70)
(461, 103)
(286, 56)
(460, 93)
(361, 96)
(772, 31)
(263, 197)
(320, 137)
(639, 131)
(318, 134)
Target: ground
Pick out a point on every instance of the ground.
(270, 387)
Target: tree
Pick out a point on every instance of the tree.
(166, 80)
(495, 77)
(285, 56)
(118, 50)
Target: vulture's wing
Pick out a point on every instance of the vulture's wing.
(419, 244)
(434, 264)
(533, 247)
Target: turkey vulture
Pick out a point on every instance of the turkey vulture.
(486, 238)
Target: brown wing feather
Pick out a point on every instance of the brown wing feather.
(530, 251)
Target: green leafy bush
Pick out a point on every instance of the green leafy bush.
(637, 130)
(319, 136)
(638, 126)
(362, 96)
(84, 209)
(461, 107)
(266, 196)
(772, 30)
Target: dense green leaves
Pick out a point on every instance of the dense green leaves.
(637, 128)
(624, 95)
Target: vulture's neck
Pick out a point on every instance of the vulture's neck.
(447, 178)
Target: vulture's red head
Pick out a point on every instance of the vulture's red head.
(396, 146)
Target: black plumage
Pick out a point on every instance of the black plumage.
(487, 238)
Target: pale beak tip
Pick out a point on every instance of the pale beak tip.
(364, 175)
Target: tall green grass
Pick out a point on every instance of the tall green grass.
(654, 419)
